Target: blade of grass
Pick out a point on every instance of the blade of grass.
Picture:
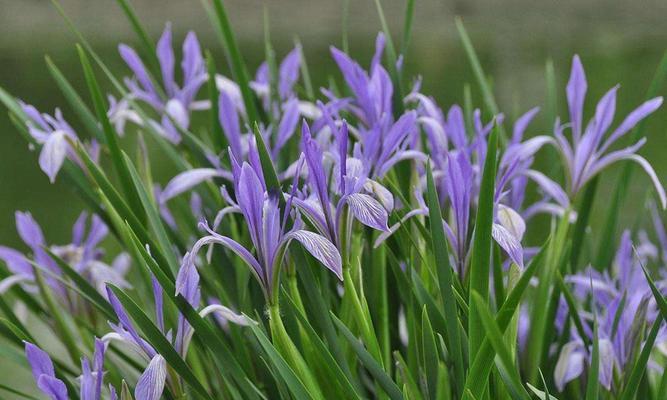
(159, 341)
(593, 386)
(481, 365)
(277, 361)
(373, 367)
(109, 134)
(84, 113)
(238, 67)
(430, 355)
(481, 245)
(487, 93)
(507, 368)
(146, 43)
(444, 272)
(391, 57)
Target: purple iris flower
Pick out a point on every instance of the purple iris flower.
(350, 187)
(239, 135)
(53, 132)
(587, 154)
(172, 102)
(90, 380)
(619, 329)
(82, 254)
(268, 230)
(384, 141)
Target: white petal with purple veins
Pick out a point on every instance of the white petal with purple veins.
(570, 364)
(321, 248)
(53, 154)
(151, 382)
(509, 243)
(368, 211)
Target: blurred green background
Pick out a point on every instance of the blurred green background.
(619, 41)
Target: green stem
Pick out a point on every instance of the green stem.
(288, 350)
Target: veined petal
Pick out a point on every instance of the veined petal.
(383, 195)
(607, 362)
(321, 248)
(508, 242)
(151, 382)
(186, 181)
(368, 211)
(511, 220)
(53, 154)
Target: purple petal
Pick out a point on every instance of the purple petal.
(79, 229)
(165, 55)
(53, 154)
(16, 262)
(368, 211)
(289, 72)
(137, 66)
(39, 361)
(29, 230)
(607, 362)
(287, 125)
(126, 323)
(193, 62)
(52, 387)
(186, 181)
(549, 187)
(570, 364)
(250, 197)
(151, 382)
(321, 248)
(509, 243)
(633, 119)
(157, 298)
(522, 123)
(576, 93)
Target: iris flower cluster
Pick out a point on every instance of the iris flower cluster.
(362, 176)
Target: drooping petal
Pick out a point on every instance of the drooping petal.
(607, 362)
(570, 364)
(511, 220)
(549, 187)
(508, 242)
(368, 211)
(321, 248)
(52, 387)
(16, 262)
(227, 314)
(186, 181)
(53, 154)
(29, 230)
(151, 382)
(638, 114)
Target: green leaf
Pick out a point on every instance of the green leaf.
(86, 288)
(430, 355)
(481, 244)
(110, 136)
(487, 93)
(277, 361)
(327, 361)
(583, 215)
(373, 367)
(508, 371)
(391, 57)
(481, 365)
(639, 367)
(238, 67)
(444, 270)
(17, 392)
(407, 25)
(217, 133)
(84, 113)
(146, 43)
(159, 341)
(540, 394)
(593, 385)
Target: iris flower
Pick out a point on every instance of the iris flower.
(268, 230)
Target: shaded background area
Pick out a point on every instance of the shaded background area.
(619, 42)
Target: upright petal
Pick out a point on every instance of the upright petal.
(165, 55)
(52, 387)
(133, 61)
(576, 93)
(39, 361)
(29, 230)
(570, 364)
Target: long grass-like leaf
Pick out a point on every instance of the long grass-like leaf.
(481, 244)
(444, 271)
